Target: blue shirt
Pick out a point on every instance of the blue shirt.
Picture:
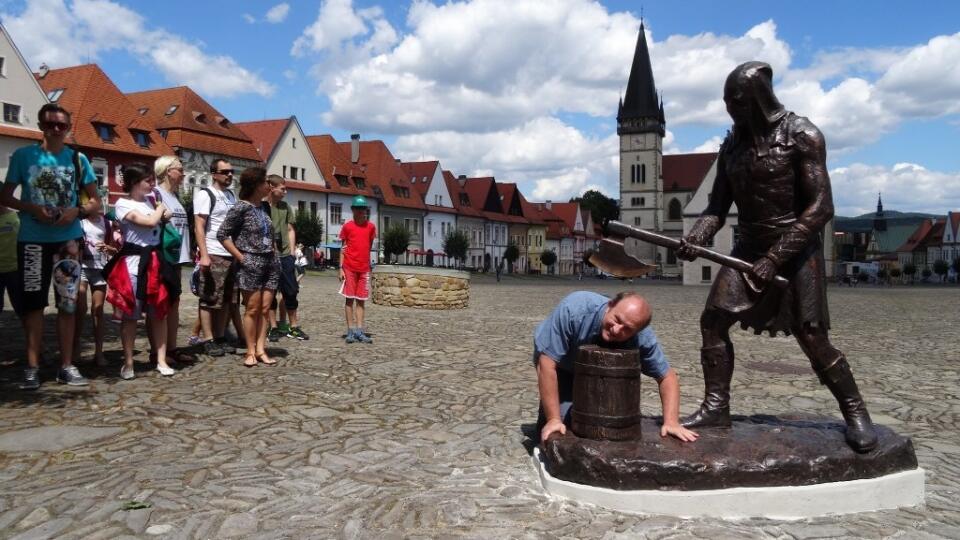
(576, 321)
(47, 180)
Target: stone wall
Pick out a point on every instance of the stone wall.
(420, 287)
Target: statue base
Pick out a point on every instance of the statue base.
(761, 467)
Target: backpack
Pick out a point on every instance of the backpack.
(213, 203)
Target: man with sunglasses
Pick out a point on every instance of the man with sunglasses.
(210, 206)
(50, 233)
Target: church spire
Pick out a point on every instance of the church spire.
(641, 112)
(879, 221)
(879, 205)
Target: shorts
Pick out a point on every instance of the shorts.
(289, 287)
(35, 268)
(216, 283)
(258, 271)
(93, 277)
(355, 284)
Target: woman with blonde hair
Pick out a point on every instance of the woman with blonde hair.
(169, 173)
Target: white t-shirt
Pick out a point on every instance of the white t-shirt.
(137, 235)
(201, 207)
(179, 222)
(93, 234)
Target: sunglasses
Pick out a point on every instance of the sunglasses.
(228, 172)
(60, 126)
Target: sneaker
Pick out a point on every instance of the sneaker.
(70, 375)
(296, 333)
(194, 341)
(274, 334)
(284, 327)
(166, 371)
(211, 348)
(127, 373)
(351, 336)
(31, 380)
(225, 345)
(362, 337)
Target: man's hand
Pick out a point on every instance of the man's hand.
(685, 251)
(552, 426)
(678, 431)
(43, 214)
(204, 261)
(341, 275)
(764, 270)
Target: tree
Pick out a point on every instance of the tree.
(309, 228)
(602, 208)
(895, 273)
(548, 258)
(926, 273)
(909, 270)
(395, 241)
(455, 245)
(511, 254)
(863, 277)
(956, 265)
(882, 275)
(940, 267)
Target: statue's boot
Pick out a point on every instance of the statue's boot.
(717, 362)
(861, 435)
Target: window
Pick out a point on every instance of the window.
(11, 113)
(360, 183)
(675, 210)
(633, 174)
(200, 117)
(284, 171)
(99, 167)
(105, 132)
(430, 227)
(643, 173)
(142, 110)
(142, 139)
(54, 95)
(163, 133)
(3, 64)
(342, 180)
(464, 199)
(635, 201)
(386, 222)
(705, 273)
(636, 221)
(293, 140)
(301, 206)
(313, 209)
(643, 201)
(171, 110)
(293, 173)
(336, 213)
(671, 257)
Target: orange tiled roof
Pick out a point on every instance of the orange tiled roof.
(915, 239)
(265, 134)
(416, 171)
(306, 186)
(91, 97)
(455, 189)
(384, 172)
(568, 213)
(531, 211)
(192, 123)
(685, 172)
(21, 133)
(334, 163)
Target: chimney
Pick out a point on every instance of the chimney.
(355, 148)
(462, 180)
(43, 70)
(549, 204)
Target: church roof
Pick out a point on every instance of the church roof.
(641, 97)
(685, 172)
(895, 236)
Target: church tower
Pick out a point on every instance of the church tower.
(879, 221)
(641, 127)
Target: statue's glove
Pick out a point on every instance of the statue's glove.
(701, 233)
(764, 270)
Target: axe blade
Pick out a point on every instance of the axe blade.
(611, 258)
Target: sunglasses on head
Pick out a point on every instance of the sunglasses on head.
(62, 126)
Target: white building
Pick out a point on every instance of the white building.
(21, 97)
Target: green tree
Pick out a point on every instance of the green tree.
(548, 258)
(926, 273)
(309, 228)
(940, 267)
(455, 245)
(895, 273)
(395, 241)
(602, 208)
(909, 270)
(511, 254)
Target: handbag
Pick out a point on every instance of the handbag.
(170, 239)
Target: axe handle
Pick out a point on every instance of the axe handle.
(617, 228)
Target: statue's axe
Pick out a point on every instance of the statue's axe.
(618, 254)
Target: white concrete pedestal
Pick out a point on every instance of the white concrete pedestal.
(781, 502)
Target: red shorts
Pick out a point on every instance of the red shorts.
(355, 284)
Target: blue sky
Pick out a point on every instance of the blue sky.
(527, 90)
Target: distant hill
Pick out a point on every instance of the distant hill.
(864, 223)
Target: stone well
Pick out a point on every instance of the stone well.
(420, 287)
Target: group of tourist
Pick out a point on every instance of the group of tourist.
(133, 256)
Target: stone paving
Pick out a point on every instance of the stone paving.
(422, 433)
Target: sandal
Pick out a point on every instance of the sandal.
(250, 361)
(266, 360)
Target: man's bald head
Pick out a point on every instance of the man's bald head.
(627, 314)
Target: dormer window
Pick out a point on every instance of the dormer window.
(54, 95)
(342, 180)
(143, 110)
(171, 110)
(360, 183)
(464, 199)
(200, 117)
(224, 123)
(141, 138)
(105, 132)
(163, 133)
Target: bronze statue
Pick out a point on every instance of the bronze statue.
(773, 166)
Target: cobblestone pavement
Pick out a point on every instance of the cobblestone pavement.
(421, 434)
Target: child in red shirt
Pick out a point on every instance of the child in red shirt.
(357, 237)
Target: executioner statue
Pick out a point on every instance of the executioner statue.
(773, 166)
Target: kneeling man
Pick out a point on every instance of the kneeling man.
(587, 318)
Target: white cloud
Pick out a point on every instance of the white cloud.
(710, 145)
(47, 31)
(249, 18)
(547, 158)
(278, 13)
(906, 187)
